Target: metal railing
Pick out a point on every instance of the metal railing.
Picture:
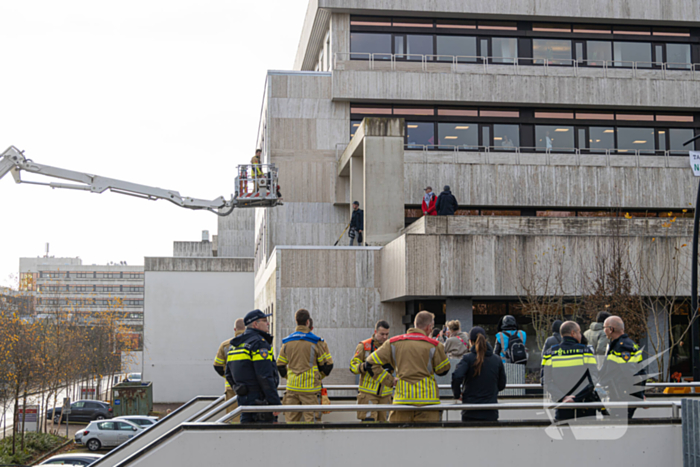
(256, 182)
(675, 407)
(206, 414)
(426, 60)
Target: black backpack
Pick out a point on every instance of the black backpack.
(516, 351)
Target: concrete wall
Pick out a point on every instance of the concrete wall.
(193, 249)
(659, 444)
(190, 307)
(492, 257)
(512, 89)
(339, 286)
(236, 234)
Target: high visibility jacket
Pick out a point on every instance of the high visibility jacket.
(222, 355)
(369, 383)
(564, 368)
(416, 359)
(250, 363)
(304, 360)
(623, 375)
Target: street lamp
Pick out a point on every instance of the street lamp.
(695, 328)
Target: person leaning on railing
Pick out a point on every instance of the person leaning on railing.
(479, 377)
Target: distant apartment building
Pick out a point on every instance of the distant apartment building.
(66, 285)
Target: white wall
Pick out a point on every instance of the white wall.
(187, 314)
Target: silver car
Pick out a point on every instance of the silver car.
(73, 459)
(107, 433)
(144, 421)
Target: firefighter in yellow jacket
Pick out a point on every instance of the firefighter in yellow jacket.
(220, 364)
(304, 360)
(417, 359)
(370, 390)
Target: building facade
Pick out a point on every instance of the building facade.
(68, 286)
(559, 128)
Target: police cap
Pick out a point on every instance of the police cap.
(254, 316)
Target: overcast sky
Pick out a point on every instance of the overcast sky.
(159, 92)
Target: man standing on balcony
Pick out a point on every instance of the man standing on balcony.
(446, 204)
(357, 224)
(417, 359)
(371, 391)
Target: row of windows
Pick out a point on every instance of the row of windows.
(90, 275)
(91, 288)
(88, 302)
(469, 49)
(538, 130)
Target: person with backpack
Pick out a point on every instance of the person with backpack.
(555, 338)
(510, 342)
(479, 377)
(596, 334)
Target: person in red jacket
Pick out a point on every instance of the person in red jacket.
(429, 200)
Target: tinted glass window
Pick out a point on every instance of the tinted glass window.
(465, 135)
(504, 50)
(506, 136)
(78, 405)
(420, 134)
(678, 56)
(553, 52)
(457, 46)
(419, 45)
(633, 139)
(354, 125)
(601, 138)
(554, 137)
(598, 52)
(106, 426)
(628, 52)
(679, 136)
(125, 426)
(364, 44)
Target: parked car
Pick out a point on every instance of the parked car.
(133, 377)
(72, 459)
(144, 421)
(82, 411)
(108, 433)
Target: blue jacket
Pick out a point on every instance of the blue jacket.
(502, 339)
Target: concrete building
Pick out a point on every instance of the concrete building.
(558, 126)
(68, 285)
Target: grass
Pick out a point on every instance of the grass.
(35, 444)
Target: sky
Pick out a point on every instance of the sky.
(165, 93)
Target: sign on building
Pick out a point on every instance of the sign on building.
(695, 162)
(87, 393)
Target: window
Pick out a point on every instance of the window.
(419, 45)
(459, 46)
(628, 52)
(503, 50)
(601, 138)
(125, 426)
(354, 125)
(599, 52)
(107, 425)
(506, 136)
(635, 139)
(679, 136)
(554, 137)
(551, 51)
(363, 44)
(420, 134)
(465, 135)
(678, 56)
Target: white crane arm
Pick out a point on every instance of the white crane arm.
(255, 190)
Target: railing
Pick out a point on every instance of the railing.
(675, 407)
(256, 182)
(203, 417)
(517, 62)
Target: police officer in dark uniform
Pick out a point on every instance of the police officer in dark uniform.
(570, 372)
(622, 375)
(251, 368)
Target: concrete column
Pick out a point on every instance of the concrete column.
(357, 182)
(383, 188)
(461, 309)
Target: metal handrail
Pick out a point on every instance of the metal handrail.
(517, 62)
(673, 405)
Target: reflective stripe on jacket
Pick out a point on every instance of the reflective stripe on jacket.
(368, 383)
(302, 358)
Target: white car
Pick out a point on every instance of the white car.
(144, 421)
(107, 433)
(80, 459)
(133, 377)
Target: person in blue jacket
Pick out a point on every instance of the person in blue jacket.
(508, 328)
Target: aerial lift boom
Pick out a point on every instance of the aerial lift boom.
(256, 185)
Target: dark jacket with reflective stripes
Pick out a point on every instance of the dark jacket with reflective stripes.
(564, 367)
(251, 363)
(623, 375)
